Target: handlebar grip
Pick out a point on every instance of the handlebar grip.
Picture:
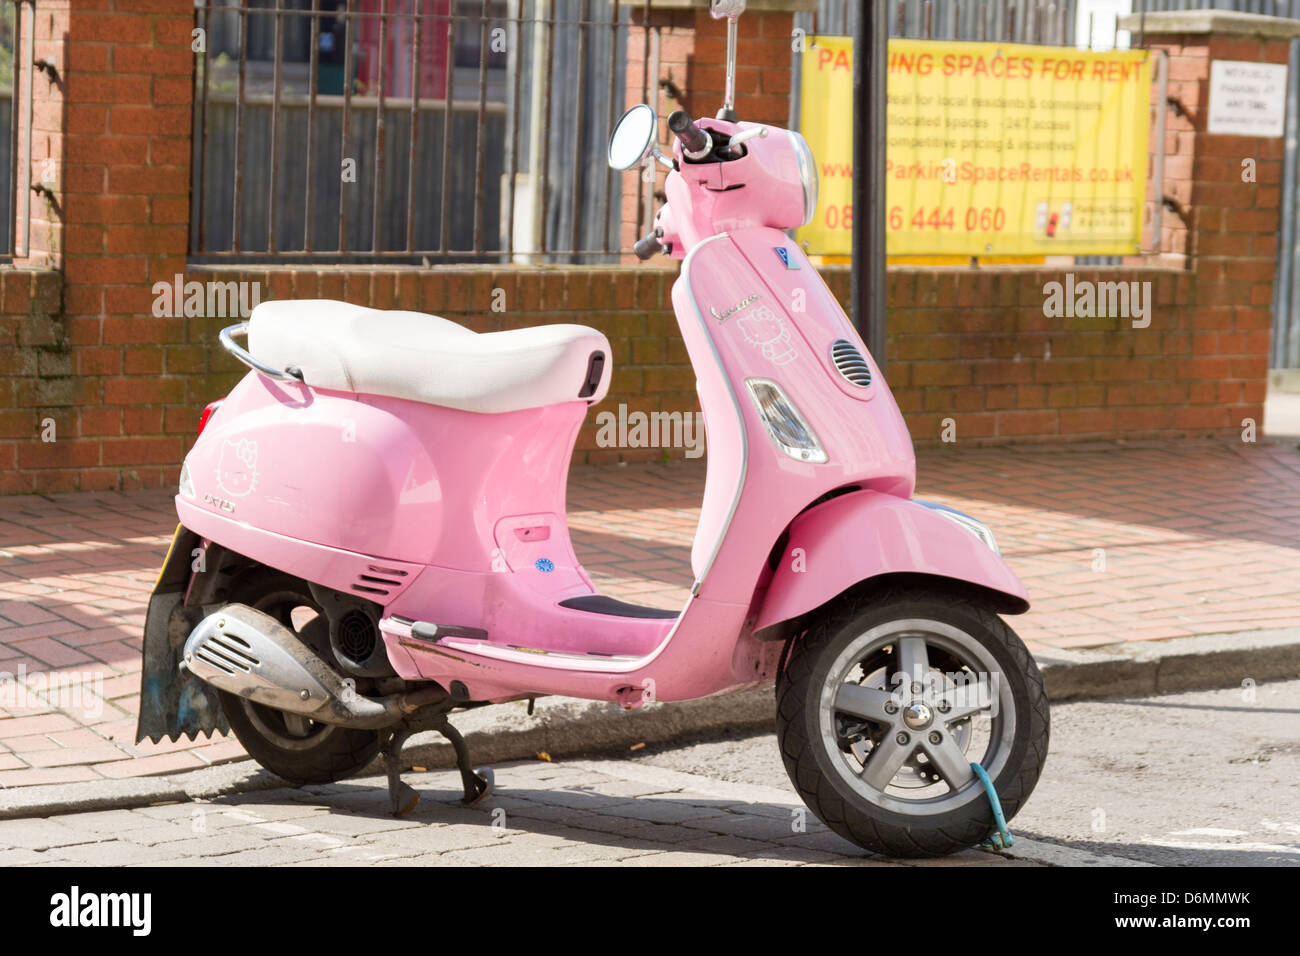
(694, 140)
(647, 245)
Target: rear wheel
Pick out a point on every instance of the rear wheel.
(296, 748)
(884, 704)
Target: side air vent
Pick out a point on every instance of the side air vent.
(381, 581)
(850, 363)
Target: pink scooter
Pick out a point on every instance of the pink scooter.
(373, 533)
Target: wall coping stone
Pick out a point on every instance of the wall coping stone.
(1225, 22)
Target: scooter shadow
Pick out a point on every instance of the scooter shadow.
(526, 825)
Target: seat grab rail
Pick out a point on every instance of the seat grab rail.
(227, 337)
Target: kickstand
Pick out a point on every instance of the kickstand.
(477, 783)
(403, 796)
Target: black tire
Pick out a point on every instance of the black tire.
(822, 784)
(300, 751)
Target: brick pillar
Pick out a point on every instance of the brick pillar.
(1227, 190)
(116, 126)
(690, 48)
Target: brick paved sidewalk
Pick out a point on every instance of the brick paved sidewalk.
(1114, 543)
(577, 813)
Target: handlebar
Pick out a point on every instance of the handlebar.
(695, 141)
(648, 245)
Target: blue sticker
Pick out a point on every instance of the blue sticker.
(783, 254)
(545, 565)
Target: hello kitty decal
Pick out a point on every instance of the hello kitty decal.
(237, 468)
(764, 329)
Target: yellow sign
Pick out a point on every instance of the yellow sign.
(992, 148)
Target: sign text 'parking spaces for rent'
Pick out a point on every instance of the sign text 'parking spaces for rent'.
(992, 148)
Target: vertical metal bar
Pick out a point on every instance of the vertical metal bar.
(647, 214)
(313, 78)
(201, 96)
(377, 191)
(537, 127)
(870, 66)
(1158, 172)
(239, 128)
(1092, 17)
(415, 125)
(1011, 23)
(645, 98)
(30, 59)
(517, 58)
(444, 241)
(929, 20)
(1286, 309)
(12, 247)
(347, 122)
(545, 119)
(612, 114)
(645, 61)
(580, 129)
(901, 17)
(273, 200)
(480, 145)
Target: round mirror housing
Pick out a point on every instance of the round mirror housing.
(726, 9)
(633, 137)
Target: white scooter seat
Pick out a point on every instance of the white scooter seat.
(429, 359)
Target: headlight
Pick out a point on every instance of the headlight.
(785, 426)
(186, 485)
(807, 175)
(978, 528)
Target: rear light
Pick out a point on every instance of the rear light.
(208, 411)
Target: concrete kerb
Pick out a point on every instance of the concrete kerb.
(562, 727)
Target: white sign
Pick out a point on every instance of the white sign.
(1247, 99)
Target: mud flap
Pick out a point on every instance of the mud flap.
(173, 703)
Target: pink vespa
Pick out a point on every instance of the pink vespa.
(373, 533)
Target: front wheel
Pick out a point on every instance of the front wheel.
(884, 703)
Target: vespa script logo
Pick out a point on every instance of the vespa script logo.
(727, 313)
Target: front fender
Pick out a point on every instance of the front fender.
(866, 534)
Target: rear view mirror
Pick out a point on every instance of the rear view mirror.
(633, 137)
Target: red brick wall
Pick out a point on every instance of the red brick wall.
(36, 369)
(971, 346)
(692, 57)
(1226, 216)
(125, 388)
(118, 129)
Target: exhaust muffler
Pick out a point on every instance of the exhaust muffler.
(248, 653)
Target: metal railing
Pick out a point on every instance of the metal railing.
(408, 130)
(16, 50)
